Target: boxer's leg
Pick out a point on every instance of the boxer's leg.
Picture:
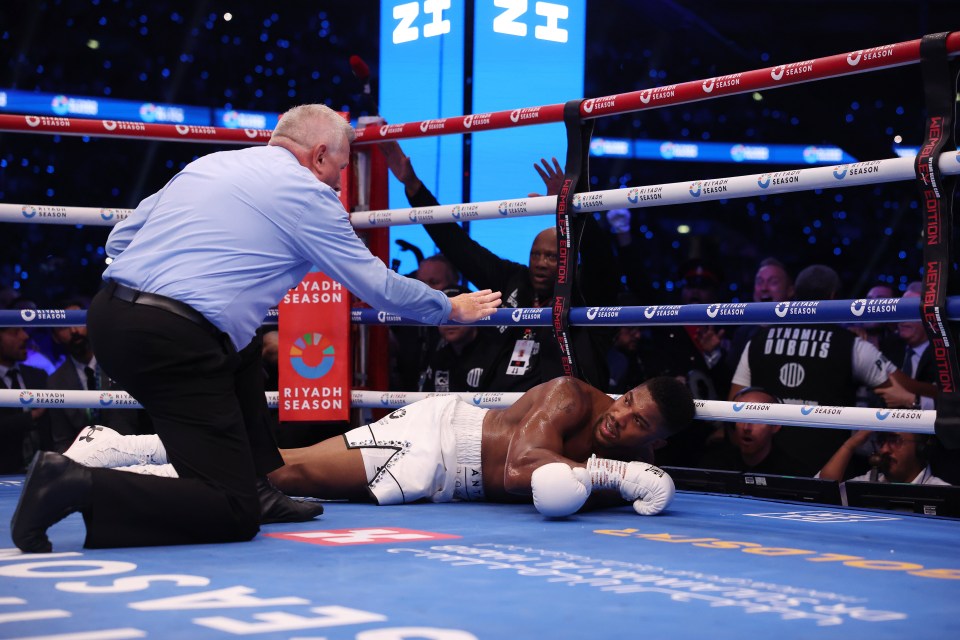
(327, 470)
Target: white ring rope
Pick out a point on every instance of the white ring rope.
(744, 186)
(907, 420)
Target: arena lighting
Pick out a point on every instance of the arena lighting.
(683, 228)
(93, 44)
(228, 16)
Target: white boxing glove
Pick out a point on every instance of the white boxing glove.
(559, 489)
(649, 488)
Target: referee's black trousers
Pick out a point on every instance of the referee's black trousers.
(207, 405)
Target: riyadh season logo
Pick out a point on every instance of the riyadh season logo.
(372, 218)
(781, 309)
(853, 58)
(738, 406)
(806, 410)
(60, 105)
(840, 172)
(708, 84)
(28, 315)
(412, 215)
(387, 399)
(456, 212)
(811, 155)
(713, 310)
(28, 211)
(487, 398)
(592, 313)
(26, 398)
(503, 209)
(764, 180)
(695, 189)
(883, 414)
(858, 306)
(649, 312)
(516, 315)
(383, 317)
(106, 399)
(777, 72)
(148, 112)
(306, 348)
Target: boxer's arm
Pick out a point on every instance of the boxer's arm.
(556, 411)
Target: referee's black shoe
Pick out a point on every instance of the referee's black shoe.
(55, 486)
(275, 506)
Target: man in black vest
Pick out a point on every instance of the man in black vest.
(812, 364)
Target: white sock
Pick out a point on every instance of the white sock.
(163, 470)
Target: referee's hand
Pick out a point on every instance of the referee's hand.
(473, 306)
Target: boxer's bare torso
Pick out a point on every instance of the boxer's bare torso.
(561, 419)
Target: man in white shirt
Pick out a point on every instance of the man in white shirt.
(904, 457)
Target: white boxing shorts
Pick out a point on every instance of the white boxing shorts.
(428, 450)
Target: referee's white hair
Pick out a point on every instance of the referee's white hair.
(310, 124)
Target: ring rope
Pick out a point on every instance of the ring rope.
(656, 195)
(839, 65)
(131, 130)
(720, 313)
(783, 75)
(912, 420)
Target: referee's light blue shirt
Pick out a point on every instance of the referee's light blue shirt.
(235, 230)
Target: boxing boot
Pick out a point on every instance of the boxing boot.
(276, 506)
(99, 446)
(55, 486)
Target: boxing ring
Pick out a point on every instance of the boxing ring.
(711, 566)
(719, 565)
